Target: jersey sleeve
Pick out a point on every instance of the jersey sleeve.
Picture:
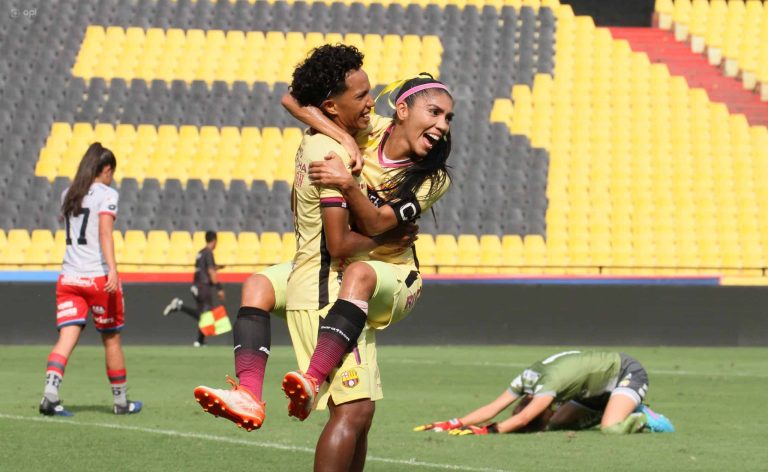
(516, 386)
(108, 204)
(321, 146)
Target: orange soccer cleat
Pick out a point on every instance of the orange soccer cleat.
(301, 391)
(238, 405)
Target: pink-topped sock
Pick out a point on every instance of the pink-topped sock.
(338, 332)
(249, 368)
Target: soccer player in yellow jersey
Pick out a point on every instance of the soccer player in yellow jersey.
(405, 172)
(331, 78)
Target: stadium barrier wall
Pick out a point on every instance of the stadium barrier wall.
(623, 13)
(456, 313)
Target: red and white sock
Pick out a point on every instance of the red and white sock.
(54, 375)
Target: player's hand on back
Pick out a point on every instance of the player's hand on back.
(112, 281)
(440, 426)
(331, 172)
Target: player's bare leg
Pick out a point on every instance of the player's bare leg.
(115, 360)
(358, 283)
(258, 293)
(68, 338)
(343, 444)
(54, 375)
(618, 416)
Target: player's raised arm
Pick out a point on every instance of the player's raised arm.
(316, 119)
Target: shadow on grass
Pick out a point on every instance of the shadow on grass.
(106, 409)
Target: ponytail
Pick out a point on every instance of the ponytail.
(96, 158)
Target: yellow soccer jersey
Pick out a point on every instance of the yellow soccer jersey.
(376, 172)
(314, 280)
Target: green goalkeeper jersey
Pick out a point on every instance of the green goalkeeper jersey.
(570, 375)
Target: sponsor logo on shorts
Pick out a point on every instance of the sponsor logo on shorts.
(98, 310)
(78, 281)
(66, 312)
(112, 207)
(67, 304)
(349, 378)
(411, 300)
(103, 319)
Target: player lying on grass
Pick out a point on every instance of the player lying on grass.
(590, 387)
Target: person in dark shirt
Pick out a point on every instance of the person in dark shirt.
(206, 282)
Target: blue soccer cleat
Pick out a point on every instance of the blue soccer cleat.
(49, 408)
(655, 422)
(131, 408)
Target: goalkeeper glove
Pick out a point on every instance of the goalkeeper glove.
(440, 426)
(467, 430)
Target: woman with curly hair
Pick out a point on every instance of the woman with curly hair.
(405, 173)
(331, 77)
(386, 277)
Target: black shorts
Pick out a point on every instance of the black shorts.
(633, 382)
(204, 297)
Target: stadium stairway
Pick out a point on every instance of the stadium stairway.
(661, 47)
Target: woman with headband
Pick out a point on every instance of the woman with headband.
(424, 180)
(405, 173)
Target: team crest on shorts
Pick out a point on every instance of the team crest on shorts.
(626, 381)
(349, 378)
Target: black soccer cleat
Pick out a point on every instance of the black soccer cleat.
(129, 409)
(49, 408)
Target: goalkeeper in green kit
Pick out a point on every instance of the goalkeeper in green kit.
(590, 388)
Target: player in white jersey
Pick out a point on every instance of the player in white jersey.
(89, 280)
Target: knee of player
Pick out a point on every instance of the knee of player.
(359, 415)
(359, 276)
(258, 292)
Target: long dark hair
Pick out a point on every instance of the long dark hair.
(434, 166)
(96, 158)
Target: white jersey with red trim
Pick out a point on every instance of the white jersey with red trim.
(83, 256)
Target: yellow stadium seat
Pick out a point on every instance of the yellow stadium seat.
(271, 249)
(534, 254)
(468, 249)
(425, 252)
(446, 253)
(490, 254)
(512, 252)
(156, 251)
(247, 254)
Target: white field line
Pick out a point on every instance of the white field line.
(521, 365)
(222, 439)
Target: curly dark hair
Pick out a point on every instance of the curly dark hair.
(324, 73)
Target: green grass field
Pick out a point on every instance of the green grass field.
(715, 397)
